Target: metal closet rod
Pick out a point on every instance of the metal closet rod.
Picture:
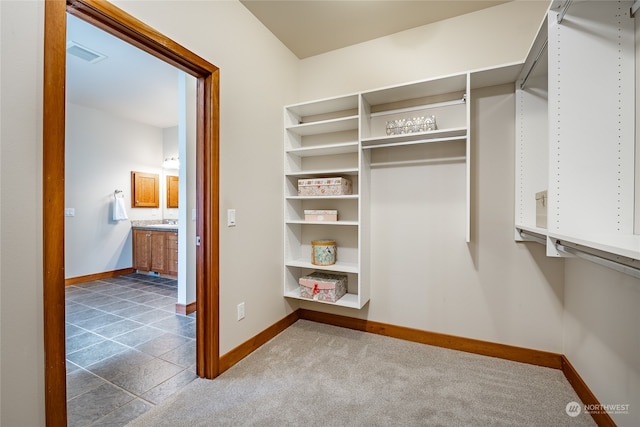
(535, 62)
(618, 263)
(421, 107)
(561, 14)
(623, 265)
(564, 11)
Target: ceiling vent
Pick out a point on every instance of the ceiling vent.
(84, 53)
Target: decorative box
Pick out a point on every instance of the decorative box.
(320, 215)
(326, 287)
(411, 125)
(323, 252)
(541, 209)
(336, 186)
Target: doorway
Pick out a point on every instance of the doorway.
(118, 23)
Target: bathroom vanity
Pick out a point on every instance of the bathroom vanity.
(155, 248)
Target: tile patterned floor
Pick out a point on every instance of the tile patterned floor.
(127, 349)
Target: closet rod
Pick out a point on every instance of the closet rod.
(415, 142)
(535, 62)
(634, 8)
(421, 107)
(619, 265)
(538, 238)
(564, 11)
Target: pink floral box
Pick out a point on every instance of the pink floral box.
(336, 186)
(323, 286)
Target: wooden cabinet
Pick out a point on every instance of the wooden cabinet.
(172, 191)
(172, 253)
(155, 251)
(145, 190)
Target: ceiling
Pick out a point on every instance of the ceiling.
(312, 27)
(133, 84)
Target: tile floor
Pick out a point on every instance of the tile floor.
(127, 349)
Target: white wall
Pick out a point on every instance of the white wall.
(497, 35)
(258, 77)
(601, 338)
(424, 275)
(101, 152)
(21, 350)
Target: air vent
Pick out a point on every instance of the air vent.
(84, 53)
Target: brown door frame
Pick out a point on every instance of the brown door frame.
(124, 26)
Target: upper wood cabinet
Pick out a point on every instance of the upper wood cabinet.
(172, 191)
(145, 190)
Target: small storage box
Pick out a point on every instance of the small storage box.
(323, 286)
(541, 209)
(320, 215)
(337, 186)
(323, 252)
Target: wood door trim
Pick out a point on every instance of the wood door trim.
(124, 26)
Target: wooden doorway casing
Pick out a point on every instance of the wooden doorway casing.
(124, 26)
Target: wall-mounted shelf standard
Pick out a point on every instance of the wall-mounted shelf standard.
(586, 166)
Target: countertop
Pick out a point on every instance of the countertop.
(156, 227)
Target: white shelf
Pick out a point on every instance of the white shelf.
(325, 150)
(348, 197)
(325, 126)
(323, 173)
(623, 245)
(417, 90)
(348, 300)
(533, 229)
(324, 106)
(303, 222)
(342, 267)
(440, 135)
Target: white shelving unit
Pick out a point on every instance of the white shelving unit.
(575, 131)
(335, 137)
(321, 140)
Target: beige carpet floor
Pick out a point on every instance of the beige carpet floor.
(319, 375)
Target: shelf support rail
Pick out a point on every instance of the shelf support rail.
(618, 263)
(535, 62)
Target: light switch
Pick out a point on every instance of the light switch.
(69, 212)
(231, 217)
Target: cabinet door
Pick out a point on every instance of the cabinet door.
(145, 190)
(172, 191)
(141, 250)
(172, 253)
(158, 251)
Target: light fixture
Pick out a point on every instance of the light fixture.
(171, 163)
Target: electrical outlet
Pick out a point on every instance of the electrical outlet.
(241, 311)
